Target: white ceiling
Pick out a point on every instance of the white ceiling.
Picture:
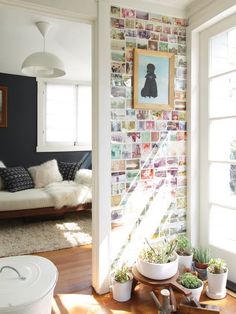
(180, 4)
(70, 41)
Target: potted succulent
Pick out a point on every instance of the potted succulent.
(217, 273)
(192, 283)
(122, 284)
(158, 261)
(185, 251)
(201, 258)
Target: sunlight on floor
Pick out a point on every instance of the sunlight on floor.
(75, 304)
(80, 304)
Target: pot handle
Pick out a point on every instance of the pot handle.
(12, 268)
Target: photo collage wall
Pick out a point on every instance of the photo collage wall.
(148, 148)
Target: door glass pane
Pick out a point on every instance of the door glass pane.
(223, 52)
(222, 228)
(223, 96)
(222, 186)
(222, 139)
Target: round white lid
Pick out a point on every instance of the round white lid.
(40, 278)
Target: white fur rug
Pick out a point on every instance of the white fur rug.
(68, 193)
(18, 238)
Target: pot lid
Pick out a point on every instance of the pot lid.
(25, 279)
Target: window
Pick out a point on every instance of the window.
(222, 139)
(218, 141)
(64, 116)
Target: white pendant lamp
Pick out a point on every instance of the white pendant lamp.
(43, 64)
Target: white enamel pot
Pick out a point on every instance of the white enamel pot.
(185, 262)
(26, 285)
(216, 288)
(196, 293)
(158, 271)
(121, 292)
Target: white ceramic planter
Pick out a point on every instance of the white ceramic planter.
(185, 262)
(158, 271)
(196, 293)
(26, 285)
(121, 292)
(216, 288)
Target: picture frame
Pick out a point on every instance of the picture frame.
(3, 106)
(153, 80)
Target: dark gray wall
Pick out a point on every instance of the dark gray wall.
(19, 140)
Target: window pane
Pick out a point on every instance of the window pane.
(84, 114)
(223, 52)
(223, 95)
(223, 184)
(222, 139)
(60, 113)
(222, 228)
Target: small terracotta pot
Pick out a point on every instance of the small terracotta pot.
(201, 265)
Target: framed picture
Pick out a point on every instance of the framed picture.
(3, 106)
(153, 80)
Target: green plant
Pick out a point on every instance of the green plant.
(160, 253)
(202, 255)
(190, 281)
(122, 274)
(217, 266)
(184, 246)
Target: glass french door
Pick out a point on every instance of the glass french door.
(218, 141)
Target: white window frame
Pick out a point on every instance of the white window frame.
(42, 146)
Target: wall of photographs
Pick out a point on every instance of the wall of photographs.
(148, 148)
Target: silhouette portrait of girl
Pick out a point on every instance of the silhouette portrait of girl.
(150, 86)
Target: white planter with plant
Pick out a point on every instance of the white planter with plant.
(158, 261)
(217, 273)
(185, 251)
(192, 284)
(122, 284)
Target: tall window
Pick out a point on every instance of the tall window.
(64, 116)
(218, 141)
(222, 139)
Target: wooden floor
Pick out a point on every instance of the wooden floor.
(74, 295)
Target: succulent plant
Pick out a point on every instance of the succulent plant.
(201, 255)
(122, 274)
(190, 281)
(184, 246)
(159, 253)
(217, 266)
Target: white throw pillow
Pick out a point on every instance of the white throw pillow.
(1, 181)
(84, 176)
(45, 173)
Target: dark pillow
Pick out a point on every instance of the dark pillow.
(68, 169)
(16, 179)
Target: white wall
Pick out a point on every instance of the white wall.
(74, 8)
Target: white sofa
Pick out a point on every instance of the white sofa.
(54, 199)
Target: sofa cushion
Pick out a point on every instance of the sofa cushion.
(1, 181)
(16, 179)
(84, 177)
(27, 199)
(45, 173)
(68, 169)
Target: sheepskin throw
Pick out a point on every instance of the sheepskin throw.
(68, 193)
